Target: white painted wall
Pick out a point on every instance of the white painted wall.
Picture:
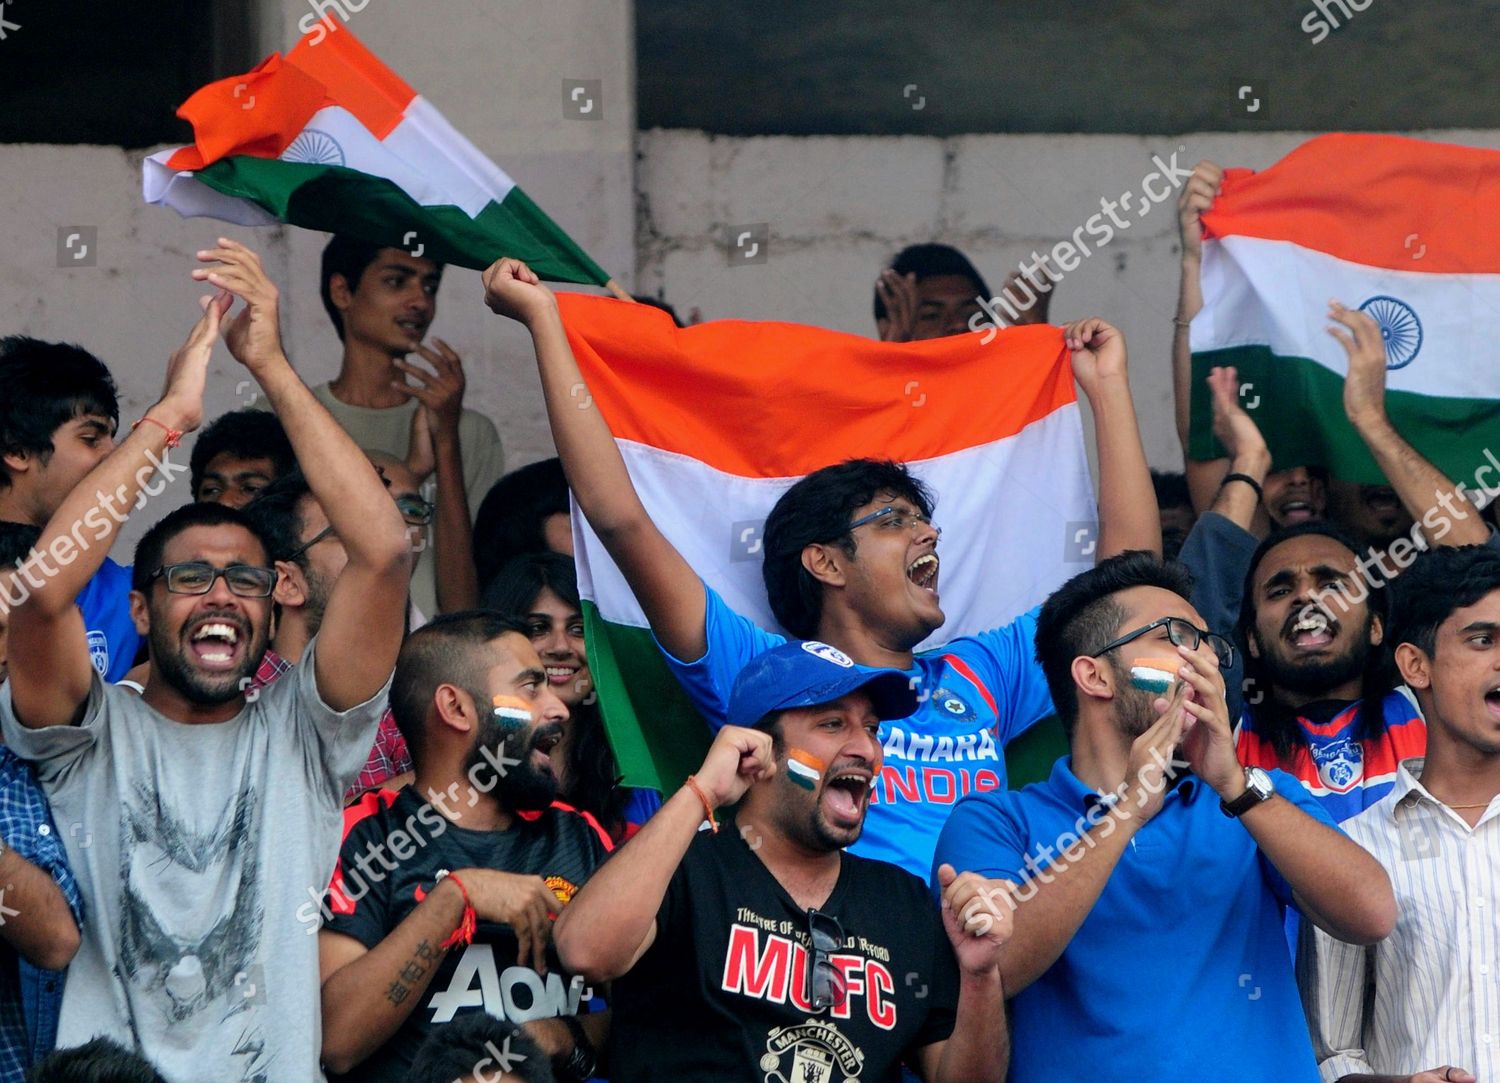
(495, 68)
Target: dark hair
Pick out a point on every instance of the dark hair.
(43, 386)
(657, 302)
(1440, 582)
(930, 261)
(148, 551)
(445, 650)
(1275, 723)
(510, 517)
(1082, 615)
(245, 434)
(276, 512)
(818, 508)
(593, 772)
(16, 542)
(1171, 489)
(455, 1051)
(102, 1060)
(344, 255)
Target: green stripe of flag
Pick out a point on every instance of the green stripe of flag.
(1299, 406)
(342, 200)
(658, 737)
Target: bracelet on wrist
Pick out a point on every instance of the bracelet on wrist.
(1260, 494)
(174, 436)
(708, 807)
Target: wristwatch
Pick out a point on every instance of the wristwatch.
(1258, 788)
(581, 1063)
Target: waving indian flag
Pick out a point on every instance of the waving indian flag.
(330, 138)
(1408, 231)
(716, 421)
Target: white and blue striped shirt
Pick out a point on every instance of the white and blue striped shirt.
(1429, 994)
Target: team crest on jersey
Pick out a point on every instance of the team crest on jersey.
(563, 888)
(952, 706)
(1340, 765)
(812, 1052)
(99, 651)
(827, 653)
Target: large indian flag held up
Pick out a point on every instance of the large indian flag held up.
(1408, 231)
(331, 139)
(716, 421)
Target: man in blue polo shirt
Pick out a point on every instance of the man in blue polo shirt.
(1149, 898)
(58, 413)
(851, 560)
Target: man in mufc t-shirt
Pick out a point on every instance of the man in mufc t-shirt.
(399, 956)
(759, 950)
(850, 559)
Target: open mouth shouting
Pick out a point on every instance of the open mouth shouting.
(1299, 510)
(923, 572)
(414, 327)
(1492, 701)
(1313, 630)
(217, 642)
(546, 739)
(846, 793)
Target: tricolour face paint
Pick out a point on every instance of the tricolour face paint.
(1155, 674)
(803, 768)
(512, 709)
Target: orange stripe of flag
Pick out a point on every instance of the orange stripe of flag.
(355, 77)
(258, 113)
(1380, 200)
(782, 400)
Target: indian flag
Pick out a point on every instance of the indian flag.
(1408, 231)
(331, 139)
(716, 421)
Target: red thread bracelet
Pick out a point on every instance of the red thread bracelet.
(174, 436)
(707, 805)
(467, 926)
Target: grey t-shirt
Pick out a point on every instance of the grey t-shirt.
(201, 852)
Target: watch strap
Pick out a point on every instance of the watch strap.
(1245, 801)
(579, 1065)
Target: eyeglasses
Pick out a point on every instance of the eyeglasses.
(1181, 633)
(415, 510)
(195, 577)
(826, 987)
(314, 540)
(890, 518)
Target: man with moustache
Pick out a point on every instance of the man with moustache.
(408, 944)
(1155, 871)
(1426, 995)
(202, 813)
(1320, 694)
(759, 949)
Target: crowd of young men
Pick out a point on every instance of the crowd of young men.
(279, 801)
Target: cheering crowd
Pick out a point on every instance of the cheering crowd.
(319, 787)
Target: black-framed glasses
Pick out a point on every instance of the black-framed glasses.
(415, 510)
(314, 540)
(196, 577)
(1181, 633)
(826, 987)
(891, 518)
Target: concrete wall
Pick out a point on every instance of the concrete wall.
(495, 68)
(838, 208)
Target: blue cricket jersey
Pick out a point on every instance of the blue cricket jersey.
(977, 693)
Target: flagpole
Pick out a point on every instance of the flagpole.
(618, 290)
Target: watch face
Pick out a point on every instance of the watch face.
(1257, 780)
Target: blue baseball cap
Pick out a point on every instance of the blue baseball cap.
(806, 673)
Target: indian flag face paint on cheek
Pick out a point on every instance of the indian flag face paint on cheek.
(804, 768)
(512, 710)
(1154, 674)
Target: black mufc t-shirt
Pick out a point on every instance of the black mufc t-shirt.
(722, 992)
(415, 838)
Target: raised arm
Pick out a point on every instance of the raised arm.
(50, 669)
(1336, 882)
(1196, 197)
(612, 921)
(366, 614)
(1444, 512)
(1128, 517)
(669, 591)
(1237, 500)
(440, 394)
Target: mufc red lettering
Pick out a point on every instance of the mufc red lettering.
(777, 972)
